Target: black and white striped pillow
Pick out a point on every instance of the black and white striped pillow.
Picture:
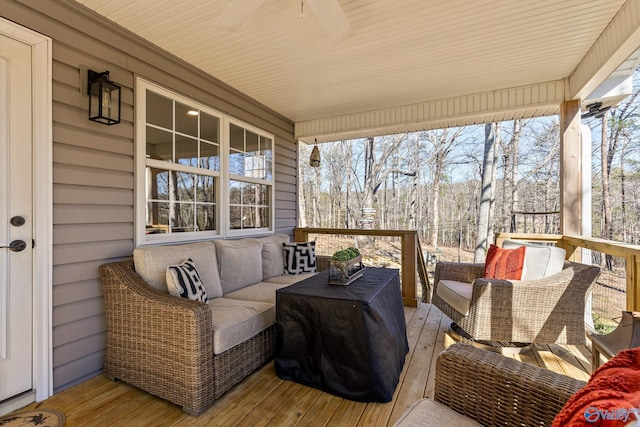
(299, 257)
(184, 281)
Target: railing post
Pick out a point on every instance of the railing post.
(409, 252)
(409, 247)
(633, 287)
(300, 235)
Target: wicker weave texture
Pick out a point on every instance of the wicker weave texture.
(164, 345)
(549, 310)
(499, 391)
(236, 363)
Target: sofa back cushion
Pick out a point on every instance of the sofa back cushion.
(540, 261)
(151, 264)
(239, 263)
(272, 255)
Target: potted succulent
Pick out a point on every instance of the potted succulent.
(345, 266)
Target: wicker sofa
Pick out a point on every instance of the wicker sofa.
(476, 387)
(190, 352)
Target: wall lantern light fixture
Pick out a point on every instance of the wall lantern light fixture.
(104, 98)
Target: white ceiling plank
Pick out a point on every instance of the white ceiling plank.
(402, 53)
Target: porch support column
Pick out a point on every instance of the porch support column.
(570, 169)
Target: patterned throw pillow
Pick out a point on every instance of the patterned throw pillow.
(299, 257)
(504, 263)
(184, 281)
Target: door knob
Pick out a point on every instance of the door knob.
(15, 246)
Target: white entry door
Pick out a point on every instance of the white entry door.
(16, 218)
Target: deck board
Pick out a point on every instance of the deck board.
(263, 399)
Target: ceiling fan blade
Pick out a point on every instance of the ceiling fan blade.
(236, 14)
(332, 18)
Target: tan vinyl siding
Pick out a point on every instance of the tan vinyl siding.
(93, 165)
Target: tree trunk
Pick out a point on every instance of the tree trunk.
(491, 232)
(435, 200)
(349, 214)
(623, 199)
(606, 190)
(415, 205)
(515, 162)
(367, 214)
(488, 162)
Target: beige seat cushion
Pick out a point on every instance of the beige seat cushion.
(272, 255)
(263, 291)
(151, 264)
(456, 294)
(235, 321)
(239, 263)
(427, 412)
(289, 279)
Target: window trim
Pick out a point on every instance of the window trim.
(222, 176)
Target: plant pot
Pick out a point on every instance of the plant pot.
(345, 272)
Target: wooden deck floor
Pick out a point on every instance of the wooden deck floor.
(263, 399)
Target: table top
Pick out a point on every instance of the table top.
(364, 289)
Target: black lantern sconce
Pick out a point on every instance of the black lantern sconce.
(104, 98)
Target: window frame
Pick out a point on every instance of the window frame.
(233, 177)
(222, 177)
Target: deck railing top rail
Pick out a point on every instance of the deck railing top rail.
(630, 253)
(409, 257)
(411, 252)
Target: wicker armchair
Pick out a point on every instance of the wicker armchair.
(492, 390)
(549, 310)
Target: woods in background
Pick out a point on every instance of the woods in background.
(459, 186)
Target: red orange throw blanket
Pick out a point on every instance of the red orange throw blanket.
(610, 398)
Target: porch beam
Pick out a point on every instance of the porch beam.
(616, 43)
(570, 169)
(535, 100)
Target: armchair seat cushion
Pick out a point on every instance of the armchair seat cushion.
(427, 412)
(235, 321)
(456, 294)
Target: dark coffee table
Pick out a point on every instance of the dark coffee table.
(350, 341)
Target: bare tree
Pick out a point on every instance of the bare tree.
(442, 142)
(510, 161)
(375, 172)
(483, 238)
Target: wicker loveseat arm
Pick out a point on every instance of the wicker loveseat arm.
(157, 342)
(495, 390)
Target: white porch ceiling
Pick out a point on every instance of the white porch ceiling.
(412, 64)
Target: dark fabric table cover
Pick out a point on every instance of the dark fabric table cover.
(350, 341)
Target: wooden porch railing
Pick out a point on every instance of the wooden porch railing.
(413, 262)
(630, 253)
(411, 257)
